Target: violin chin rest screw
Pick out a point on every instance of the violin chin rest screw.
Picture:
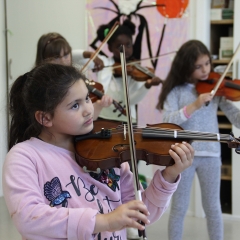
(87, 171)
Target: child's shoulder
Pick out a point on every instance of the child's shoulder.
(23, 153)
(183, 87)
(22, 145)
(34, 147)
(33, 143)
(25, 149)
(35, 151)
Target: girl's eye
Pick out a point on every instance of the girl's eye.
(88, 98)
(75, 106)
(197, 67)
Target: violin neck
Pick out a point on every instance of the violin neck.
(144, 70)
(186, 135)
(231, 84)
(95, 91)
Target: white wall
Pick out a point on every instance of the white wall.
(3, 97)
(200, 30)
(27, 21)
(236, 131)
(200, 19)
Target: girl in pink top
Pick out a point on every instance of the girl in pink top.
(47, 193)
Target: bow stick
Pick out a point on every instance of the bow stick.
(130, 134)
(110, 33)
(225, 72)
(213, 92)
(139, 61)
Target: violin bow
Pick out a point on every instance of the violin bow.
(139, 61)
(225, 72)
(110, 33)
(130, 134)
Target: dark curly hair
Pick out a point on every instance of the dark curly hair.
(127, 28)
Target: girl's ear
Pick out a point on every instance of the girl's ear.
(43, 118)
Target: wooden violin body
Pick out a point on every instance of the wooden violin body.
(110, 148)
(228, 88)
(113, 149)
(136, 71)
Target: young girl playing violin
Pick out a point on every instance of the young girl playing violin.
(182, 105)
(113, 85)
(54, 48)
(47, 193)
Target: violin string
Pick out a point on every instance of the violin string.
(197, 135)
(171, 131)
(183, 134)
(144, 70)
(139, 61)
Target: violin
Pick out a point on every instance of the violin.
(135, 70)
(96, 92)
(222, 83)
(228, 88)
(109, 148)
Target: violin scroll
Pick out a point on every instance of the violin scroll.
(234, 143)
(96, 92)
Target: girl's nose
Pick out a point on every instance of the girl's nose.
(88, 109)
(204, 69)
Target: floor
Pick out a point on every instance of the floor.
(195, 228)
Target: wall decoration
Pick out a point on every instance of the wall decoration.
(161, 28)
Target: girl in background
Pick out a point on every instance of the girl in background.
(54, 48)
(113, 85)
(182, 105)
(47, 193)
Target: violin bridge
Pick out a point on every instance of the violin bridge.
(124, 131)
(98, 170)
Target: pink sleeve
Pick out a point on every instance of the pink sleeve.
(33, 218)
(158, 195)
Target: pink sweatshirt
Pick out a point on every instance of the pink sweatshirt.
(49, 196)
